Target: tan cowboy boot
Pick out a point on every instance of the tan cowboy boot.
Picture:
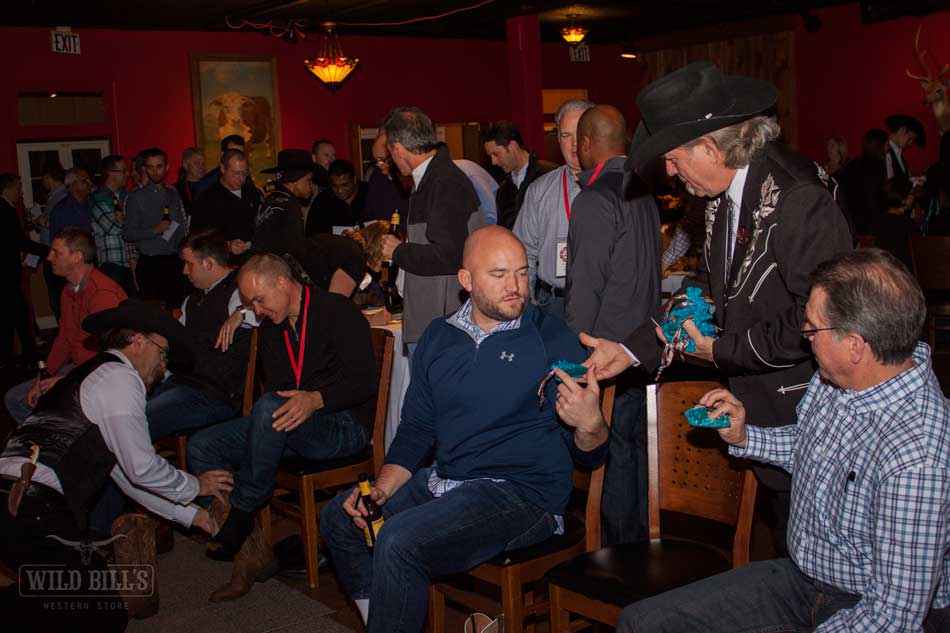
(136, 545)
(254, 555)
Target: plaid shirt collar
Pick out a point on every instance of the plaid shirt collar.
(462, 319)
(893, 391)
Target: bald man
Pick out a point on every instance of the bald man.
(612, 285)
(318, 362)
(503, 463)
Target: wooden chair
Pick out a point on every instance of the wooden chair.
(511, 571)
(176, 446)
(690, 473)
(930, 255)
(305, 477)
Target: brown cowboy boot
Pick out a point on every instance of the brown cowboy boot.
(138, 547)
(253, 557)
(219, 512)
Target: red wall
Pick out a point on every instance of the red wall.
(852, 75)
(146, 78)
(608, 77)
(849, 77)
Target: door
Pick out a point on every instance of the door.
(33, 157)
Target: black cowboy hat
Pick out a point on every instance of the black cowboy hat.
(694, 100)
(143, 317)
(897, 121)
(292, 164)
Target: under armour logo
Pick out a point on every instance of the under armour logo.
(508, 356)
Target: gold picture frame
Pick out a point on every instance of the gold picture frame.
(237, 94)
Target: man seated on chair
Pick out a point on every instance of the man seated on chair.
(318, 361)
(72, 255)
(870, 461)
(503, 473)
(218, 325)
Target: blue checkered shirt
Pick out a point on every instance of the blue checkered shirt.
(462, 319)
(870, 494)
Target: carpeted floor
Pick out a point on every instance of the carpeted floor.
(270, 607)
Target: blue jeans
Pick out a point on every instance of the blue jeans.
(175, 407)
(770, 596)
(423, 538)
(15, 398)
(623, 510)
(252, 449)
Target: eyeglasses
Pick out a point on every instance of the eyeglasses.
(161, 350)
(809, 334)
(380, 161)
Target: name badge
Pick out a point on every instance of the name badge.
(560, 269)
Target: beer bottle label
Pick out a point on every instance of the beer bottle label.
(369, 536)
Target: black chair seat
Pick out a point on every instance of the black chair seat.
(573, 534)
(624, 574)
(299, 466)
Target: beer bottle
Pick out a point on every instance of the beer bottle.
(116, 209)
(394, 231)
(166, 217)
(374, 516)
(42, 373)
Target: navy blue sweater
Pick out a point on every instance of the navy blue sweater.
(478, 407)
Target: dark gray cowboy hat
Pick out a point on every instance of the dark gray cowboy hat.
(292, 164)
(147, 318)
(694, 100)
(897, 121)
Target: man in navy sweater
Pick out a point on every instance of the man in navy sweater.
(503, 463)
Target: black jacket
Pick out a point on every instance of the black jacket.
(278, 227)
(613, 245)
(508, 198)
(13, 240)
(217, 208)
(442, 211)
(788, 224)
(329, 211)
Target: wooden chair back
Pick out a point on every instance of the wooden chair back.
(593, 481)
(383, 342)
(690, 471)
(250, 377)
(930, 255)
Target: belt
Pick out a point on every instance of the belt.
(37, 490)
(548, 288)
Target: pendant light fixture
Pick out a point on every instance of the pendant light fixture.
(331, 66)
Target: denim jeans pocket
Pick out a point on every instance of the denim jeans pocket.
(542, 529)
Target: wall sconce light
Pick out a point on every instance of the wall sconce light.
(630, 51)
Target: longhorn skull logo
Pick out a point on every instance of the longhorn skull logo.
(86, 548)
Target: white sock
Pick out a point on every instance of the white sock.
(363, 605)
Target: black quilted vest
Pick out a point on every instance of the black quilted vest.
(70, 444)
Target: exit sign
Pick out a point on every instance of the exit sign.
(63, 40)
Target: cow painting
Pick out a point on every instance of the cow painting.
(248, 117)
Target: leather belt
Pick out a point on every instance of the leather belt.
(37, 490)
(548, 288)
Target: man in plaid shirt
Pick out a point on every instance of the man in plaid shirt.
(870, 461)
(108, 204)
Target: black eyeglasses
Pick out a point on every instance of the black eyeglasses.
(161, 350)
(810, 333)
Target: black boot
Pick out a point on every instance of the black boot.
(229, 540)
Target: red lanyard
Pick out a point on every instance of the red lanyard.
(297, 364)
(567, 201)
(596, 173)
